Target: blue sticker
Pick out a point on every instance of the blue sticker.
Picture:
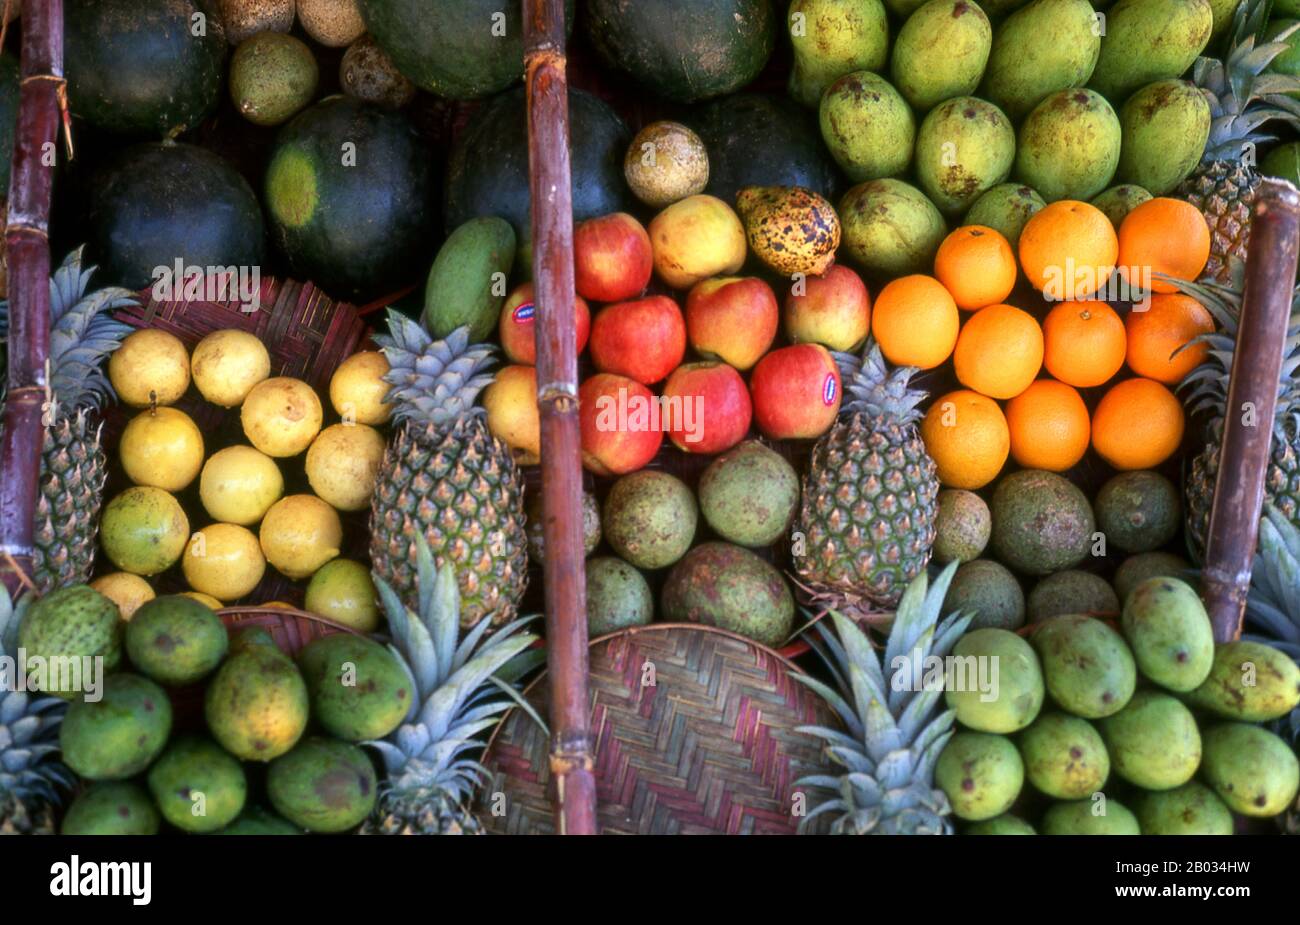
(828, 390)
(524, 313)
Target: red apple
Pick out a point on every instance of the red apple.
(796, 392)
(612, 258)
(645, 339)
(620, 424)
(706, 408)
(732, 319)
(834, 310)
(517, 325)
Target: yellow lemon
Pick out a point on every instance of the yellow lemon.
(343, 463)
(239, 484)
(151, 367)
(358, 389)
(207, 600)
(343, 591)
(227, 364)
(223, 560)
(162, 447)
(299, 534)
(125, 590)
(144, 530)
(281, 416)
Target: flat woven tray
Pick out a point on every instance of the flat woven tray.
(709, 748)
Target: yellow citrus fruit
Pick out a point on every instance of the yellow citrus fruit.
(299, 534)
(967, 436)
(281, 416)
(277, 605)
(343, 463)
(227, 364)
(344, 592)
(358, 389)
(512, 415)
(162, 447)
(207, 600)
(125, 590)
(999, 352)
(223, 560)
(151, 367)
(239, 484)
(144, 530)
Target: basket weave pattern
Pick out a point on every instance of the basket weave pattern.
(709, 748)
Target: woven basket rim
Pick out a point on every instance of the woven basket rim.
(249, 609)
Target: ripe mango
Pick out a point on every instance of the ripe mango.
(1089, 817)
(1191, 809)
(1153, 742)
(1088, 668)
(1249, 681)
(1064, 756)
(867, 126)
(832, 38)
(1166, 625)
(1011, 700)
(1251, 769)
(1149, 40)
(1165, 126)
(256, 703)
(1047, 46)
(965, 147)
(940, 52)
(890, 228)
(981, 774)
(1069, 146)
(791, 229)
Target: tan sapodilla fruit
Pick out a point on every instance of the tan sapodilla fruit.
(299, 534)
(342, 465)
(281, 416)
(358, 389)
(242, 18)
(227, 364)
(151, 367)
(334, 23)
(162, 447)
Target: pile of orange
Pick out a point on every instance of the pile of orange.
(1068, 249)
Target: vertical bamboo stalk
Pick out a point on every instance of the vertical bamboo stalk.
(1252, 398)
(557, 397)
(26, 237)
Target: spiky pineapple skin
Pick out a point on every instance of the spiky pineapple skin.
(462, 491)
(1225, 194)
(869, 508)
(73, 471)
(420, 813)
(25, 817)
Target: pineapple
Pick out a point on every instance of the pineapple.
(29, 732)
(1206, 389)
(1242, 99)
(893, 736)
(73, 465)
(870, 496)
(430, 781)
(446, 478)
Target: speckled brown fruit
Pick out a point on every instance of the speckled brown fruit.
(590, 525)
(331, 22)
(649, 518)
(242, 18)
(791, 229)
(666, 162)
(1042, 523)
(963, 526)
(368, 74)
(722, 585)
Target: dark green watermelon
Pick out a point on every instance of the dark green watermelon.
(685, 50)
(487, 173)
(357, 221)
(8, 118)
(160, 201)
(755, 139)
(136, 66)
(460, 49)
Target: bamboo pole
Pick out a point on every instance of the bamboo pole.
(26, 238)
(1252, 398)
(557, 398)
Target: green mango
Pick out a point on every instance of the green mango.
(1223, 11)
(904, 8)
(1118, 201)
(941, 52)
(1191, 809)
(1088, 668)
(1169, 631)
(890, 228)
(981, 775)
(120, 734)
(1006, 824)
(1149, 40)
(198, 786)
(964, 148)
(111, 808)
(1007, 209)
(1064, 756)
(1252, 770)
(1249, 681)
(1165, 128)
(469, 279)
(1283, 162)
(1011, 698)
(1089, 817)
(1289, 61)
(1153, 742)
(1045, 47)
(1069, 146)
(832, 38)
(867, 126)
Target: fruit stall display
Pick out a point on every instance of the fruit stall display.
(904, 336)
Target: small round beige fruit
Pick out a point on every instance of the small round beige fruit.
(150, 367)
(243, 18)
(299, 534)
(343, 463)
(227, 364)
(333, 23)
(281, 416)
(344, 592)
(125, 590)
(207, 600)
(665, 163)
(224, 561)
(512, 415)
(162, 447)
(239, 484)
(358, 389)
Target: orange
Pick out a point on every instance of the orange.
(1155, 334)
(915, 321)
(977, 265)
(1084, 342)
(1138, 424)
(1049, 426)
(1166, 236)
(999, 352)
(1068, 250)
(967, 437)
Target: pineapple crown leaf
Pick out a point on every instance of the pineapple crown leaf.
(1274, 602)
(876, 389)
(433, 381)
